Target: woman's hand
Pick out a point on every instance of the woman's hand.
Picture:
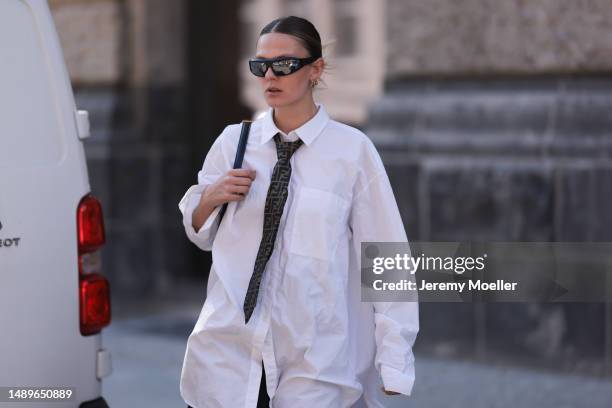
(389, 392)
(232, 186)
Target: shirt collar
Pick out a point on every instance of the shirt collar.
(307, 132)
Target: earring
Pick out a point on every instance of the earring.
(314, 83)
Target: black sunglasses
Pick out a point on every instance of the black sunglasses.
(280, 66)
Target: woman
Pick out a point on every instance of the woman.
(283, 291)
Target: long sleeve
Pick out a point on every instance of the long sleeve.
(211, 171)
(375, 217)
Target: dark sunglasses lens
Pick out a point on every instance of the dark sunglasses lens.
(285, 67)
(257, 68)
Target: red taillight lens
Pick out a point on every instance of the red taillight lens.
(95, 305)
(94, 293)
(91, 224)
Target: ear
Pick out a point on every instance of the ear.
(317, 68)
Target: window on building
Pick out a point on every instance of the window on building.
(345, 26)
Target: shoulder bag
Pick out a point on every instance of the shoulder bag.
(244, 136)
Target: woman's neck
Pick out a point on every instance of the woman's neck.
(288, 118)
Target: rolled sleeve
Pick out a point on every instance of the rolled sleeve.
(375, 217)
(203, 238)
(214, 166)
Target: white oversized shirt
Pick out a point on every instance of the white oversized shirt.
(320, 344)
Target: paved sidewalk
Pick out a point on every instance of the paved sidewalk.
(443, 383)
(148, 353)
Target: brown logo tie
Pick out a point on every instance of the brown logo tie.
(275, 203)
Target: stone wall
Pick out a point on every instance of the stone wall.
(491, 36)
(495, 126)
(90, 34)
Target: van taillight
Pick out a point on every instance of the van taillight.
(94, 293)
(91, 224)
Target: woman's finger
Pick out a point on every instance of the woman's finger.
(238, 189)
(389, 392)
(242, 173)
(232, 197)
(242, 181)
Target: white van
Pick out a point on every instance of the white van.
(53, 300)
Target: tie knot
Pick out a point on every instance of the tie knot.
(285, 150)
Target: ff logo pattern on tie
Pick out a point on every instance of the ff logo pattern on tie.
(275, 202)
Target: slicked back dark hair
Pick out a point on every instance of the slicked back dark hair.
(298, 27)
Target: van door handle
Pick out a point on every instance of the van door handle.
(82, 123)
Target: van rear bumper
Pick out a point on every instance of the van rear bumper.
(97, 403)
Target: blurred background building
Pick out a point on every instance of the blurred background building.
(353, 36)
(492, 117)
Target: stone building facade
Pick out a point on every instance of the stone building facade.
(353, 37)
(492, 118)
(495, 125)
(142, 69)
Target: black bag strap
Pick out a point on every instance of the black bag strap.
(244, 136)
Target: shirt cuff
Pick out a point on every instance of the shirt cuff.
(203, 238)
(397, 381)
